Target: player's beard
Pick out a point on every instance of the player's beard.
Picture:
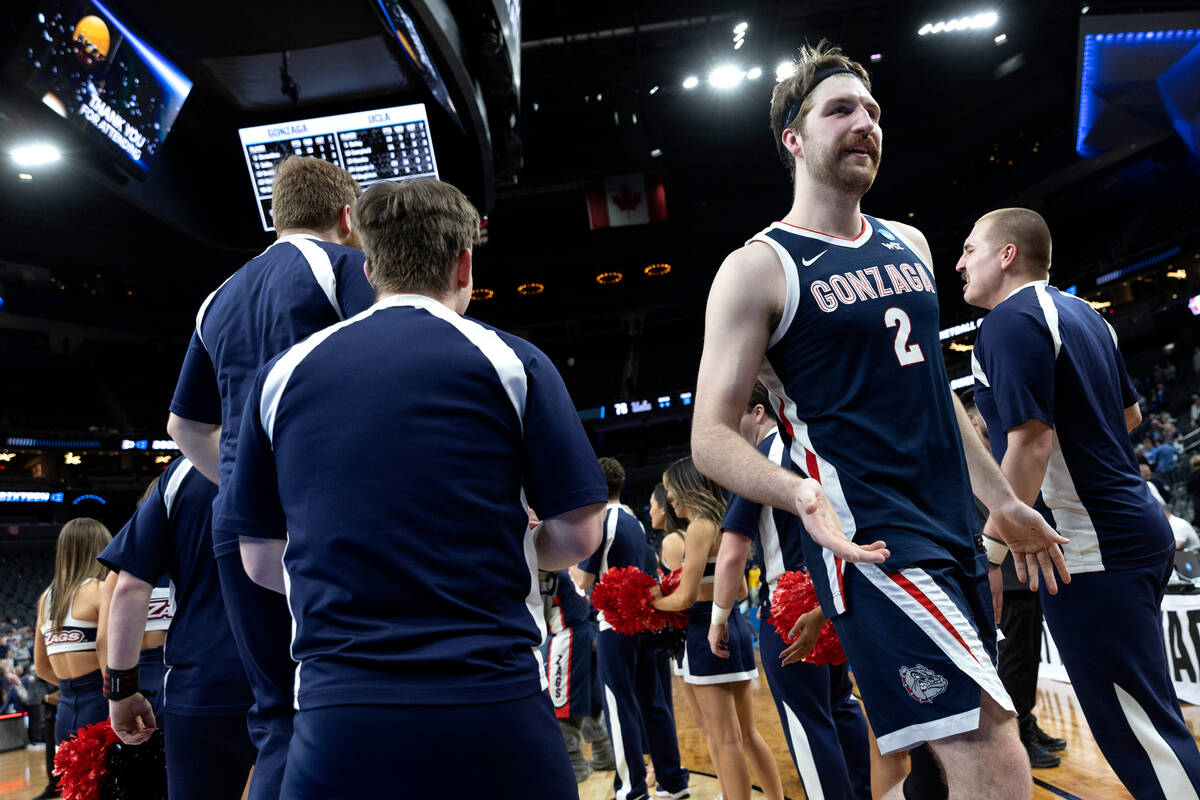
(830, 166)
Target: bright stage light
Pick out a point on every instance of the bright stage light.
(725, 76)
(35, 154)
(691, 82)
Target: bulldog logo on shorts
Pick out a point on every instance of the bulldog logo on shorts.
(922, 683)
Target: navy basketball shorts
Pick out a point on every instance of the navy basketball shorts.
(208, 758)
(700, 666)
(81, 702)
(922, 643)
(569, 671)
(513, 748)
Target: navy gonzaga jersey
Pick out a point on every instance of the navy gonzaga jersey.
(171, 532)
(297, 286)
(777, 535)
(856, 369)
(1041, 354)
(395, 453)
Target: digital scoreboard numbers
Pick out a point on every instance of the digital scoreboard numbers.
(386, 144)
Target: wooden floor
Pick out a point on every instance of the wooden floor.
(1084, 772)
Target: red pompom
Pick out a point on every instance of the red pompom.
(672, 619)
(792, 596)
(623, 595)
(81, 762)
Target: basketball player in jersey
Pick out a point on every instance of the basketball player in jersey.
(1052, 387)
(208, 748)
(823, 722)
(311, 277)
(837, 312)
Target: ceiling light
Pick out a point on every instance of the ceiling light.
(654, 89)
(482, 294)
(938, 27)
(691, 82)
(876, 57)
(725, 77)
(784, 71)
(529, 289)
(741, 27)
(35, 154)
(656, 152)
(654, 270)
(25, 176)
(609, 278)
(1001, 38)
(984, 20)
(926, 29)
(738, 44)
(755, 73)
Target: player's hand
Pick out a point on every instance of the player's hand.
(718, 640)
(132, 719)
(821, 522)
(1034, 544)
(996, 584)
(804, 635)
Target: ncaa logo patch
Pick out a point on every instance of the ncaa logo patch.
(922, 683)
(885, 233)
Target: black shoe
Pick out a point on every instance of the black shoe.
(1039, 756)
(1047, 741)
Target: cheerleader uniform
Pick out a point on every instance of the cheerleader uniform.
(700, 666)
(81, 700)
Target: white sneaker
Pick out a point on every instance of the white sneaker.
(684, 792)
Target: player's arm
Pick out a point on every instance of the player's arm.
(106, 595)
(41, 659)
(727, 584)
(263, 561)
(132, 718)
(561, 541)
(1133, 417)
(199, 441)
(747, 294)
(698, 543)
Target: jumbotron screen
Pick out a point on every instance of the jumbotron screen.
(386, 144)
(92, 70)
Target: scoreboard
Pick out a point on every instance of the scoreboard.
(385, 144)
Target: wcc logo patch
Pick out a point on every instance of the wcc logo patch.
(885, 233)
(922, 683)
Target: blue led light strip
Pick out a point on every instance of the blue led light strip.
(1109, 277)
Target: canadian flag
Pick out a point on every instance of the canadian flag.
(626, 200)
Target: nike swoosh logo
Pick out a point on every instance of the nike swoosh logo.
(808, 262)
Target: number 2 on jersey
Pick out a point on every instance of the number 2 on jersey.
(905, 353)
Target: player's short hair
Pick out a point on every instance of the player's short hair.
(412, 233)
(614, 475)
(759, 396)
(797, 88)
(310, 193)
(1024, 228)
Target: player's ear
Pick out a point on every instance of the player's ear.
(344, 226)
(791, 140)
(462, 268)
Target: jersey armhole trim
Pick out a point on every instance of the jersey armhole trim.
(791, 277)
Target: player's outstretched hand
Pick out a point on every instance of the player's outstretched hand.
(718, 639)
(1034, 544)
(132, 719)
(821, 522)
(803, 635)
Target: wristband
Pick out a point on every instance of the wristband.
(996, 550)
(121, 683)
(719, 615)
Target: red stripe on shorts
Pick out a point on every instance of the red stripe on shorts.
(908, 586)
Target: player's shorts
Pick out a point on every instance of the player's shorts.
(512, 749)
(922, 643)
(81, 702)
(700, 666)
(569, 670)
(208, 758)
